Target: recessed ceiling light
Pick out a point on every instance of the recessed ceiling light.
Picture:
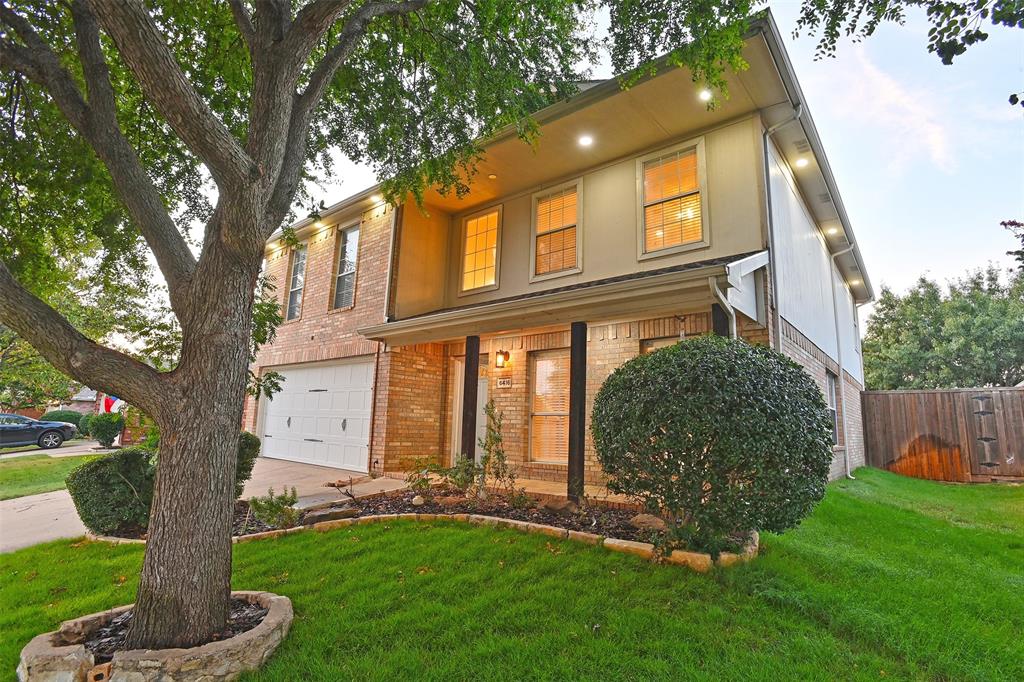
(318, 223)
(855, 281)
(376, 198)
(492, 176)
(705, 95)
(585, 140)
(832, 230)
(801, 162)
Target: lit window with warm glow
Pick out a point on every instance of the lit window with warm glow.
(671, 201)
(549, 406)
(555, 236)
(480, 250)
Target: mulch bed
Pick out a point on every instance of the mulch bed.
(608, 522)
(111, 638)
(244, 523)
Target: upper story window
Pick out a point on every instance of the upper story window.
(296, 282)
(556, 231)
(482, 235)
(672, 213)
(345, 279)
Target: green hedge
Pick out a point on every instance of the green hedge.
(105, 428)
(720, 436)
(83, 424)
(248, 451)
(114, 493)
(69, 416)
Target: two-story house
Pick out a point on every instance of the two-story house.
(641, 218)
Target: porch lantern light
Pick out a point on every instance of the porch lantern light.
(501, 358)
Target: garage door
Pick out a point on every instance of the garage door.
(321, 415)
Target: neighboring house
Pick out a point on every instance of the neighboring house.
(640, 218)
(84, 401)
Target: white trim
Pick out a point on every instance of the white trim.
(497, 249)
(543, 194)
(697, 144)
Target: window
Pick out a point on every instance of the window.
(830, 395)
(296, 280)
(651, 345)
(556, 231)
(480, 250)
(671, 200)
(345, 280)
(549, 406)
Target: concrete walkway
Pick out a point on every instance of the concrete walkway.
(72, 448)
(26, 521)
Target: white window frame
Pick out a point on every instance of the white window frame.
(339, 240)
(702, 187)
(497, 250)
(832, 400)
(537, 197)
(288, 290)
(531, 358)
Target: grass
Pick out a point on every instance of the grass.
(890, 577)
(20, 476)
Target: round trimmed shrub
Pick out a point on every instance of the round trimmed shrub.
(721, 436)
(69, 416)
(83, 424)
(113, 493)
(105, 427)
(248, 451)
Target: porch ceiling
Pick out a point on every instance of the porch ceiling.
(669, 292)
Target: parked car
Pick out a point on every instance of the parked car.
(18, 430)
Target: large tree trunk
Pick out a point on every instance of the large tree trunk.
(186, 576)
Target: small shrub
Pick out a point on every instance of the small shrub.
(69, 416)
(721, 436)
(151, 441)
(83, 424)
(113, 493)
(418, 478)
(462, 476)
(105, 428)
(496, 470)
(276, 510)
(248, 451)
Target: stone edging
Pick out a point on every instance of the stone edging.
(698, 561)
(60, 655)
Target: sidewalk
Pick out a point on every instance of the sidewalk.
(72, 448)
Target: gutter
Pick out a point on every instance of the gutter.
(839, 356)
(773, 271)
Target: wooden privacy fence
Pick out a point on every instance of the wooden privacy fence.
(970, 434)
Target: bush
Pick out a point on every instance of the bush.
(83, 424)
(248, 451)
(69, 416)
(151, 441)
(113, 493)
(721, 436)
(276, 510)
(105, 428)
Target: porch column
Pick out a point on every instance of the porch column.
(719, 320)
(469, 381)
(577, 407)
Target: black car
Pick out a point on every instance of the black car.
(18, 430)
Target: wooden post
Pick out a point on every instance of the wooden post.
(469, 381)
(577, 408)
(719, 320)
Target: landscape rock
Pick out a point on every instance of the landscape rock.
(330, 514)
(560, 505)
(418, 501)
(451, 501)
(648, 522)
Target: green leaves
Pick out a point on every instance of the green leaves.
(722, 436)
(971, 334)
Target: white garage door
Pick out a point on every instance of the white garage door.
(321, 415)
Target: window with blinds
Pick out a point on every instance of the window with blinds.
(555, 234)
(480, 250)
(549, 406)
(345, 280)
(671, 201)
(296, 282)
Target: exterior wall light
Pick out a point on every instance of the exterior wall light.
(501, 358)
(705, 95)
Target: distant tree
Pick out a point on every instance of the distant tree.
(970, 334)
(955, 24)
(1017, 228)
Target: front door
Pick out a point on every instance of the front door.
(481, 418)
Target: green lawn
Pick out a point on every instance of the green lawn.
(20, 476)
(890, 578)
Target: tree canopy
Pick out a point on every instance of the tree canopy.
(969, 333)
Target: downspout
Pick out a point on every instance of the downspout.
(717, 292)
(765, 135)
(839, 356)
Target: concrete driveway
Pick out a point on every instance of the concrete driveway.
(29, 520)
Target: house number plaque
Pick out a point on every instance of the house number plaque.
(504, 382)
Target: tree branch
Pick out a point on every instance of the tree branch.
(145, 51)
(68, 350)
(97, 123)
(244, 23)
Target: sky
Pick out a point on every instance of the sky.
(928, 158)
